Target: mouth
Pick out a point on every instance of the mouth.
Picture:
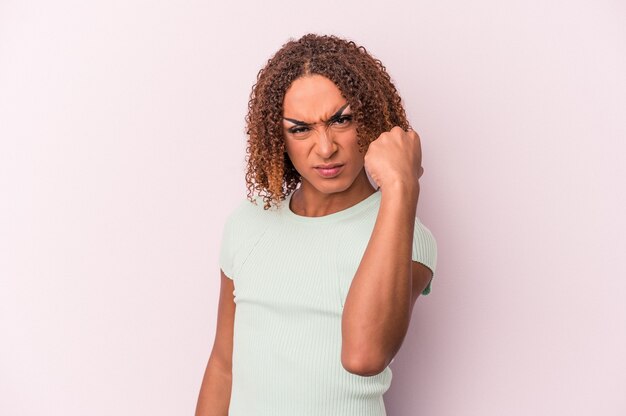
(329, 171)
(328, 166)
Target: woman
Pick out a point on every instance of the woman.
(320, 268)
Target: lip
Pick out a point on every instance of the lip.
(329, 171)
(328, 166)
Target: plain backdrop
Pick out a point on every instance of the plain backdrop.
(122, 152)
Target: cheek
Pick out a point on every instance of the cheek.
(355, 154)
(296, 154)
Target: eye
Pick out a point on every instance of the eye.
(343, 120)
(298, 130)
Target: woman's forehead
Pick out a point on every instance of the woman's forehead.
(312, 99)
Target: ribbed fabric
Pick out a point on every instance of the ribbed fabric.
(292, 275)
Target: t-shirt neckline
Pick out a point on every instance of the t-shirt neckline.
(335, 216)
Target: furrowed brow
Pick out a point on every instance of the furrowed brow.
(338, 113)
(333, 117)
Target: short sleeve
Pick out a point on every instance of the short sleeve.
(226, 257)
(424, 250)
(242, 229)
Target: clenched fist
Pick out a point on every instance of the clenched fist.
(395, 157)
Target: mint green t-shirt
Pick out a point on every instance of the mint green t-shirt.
(291, 275)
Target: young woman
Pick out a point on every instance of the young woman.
(319, 269)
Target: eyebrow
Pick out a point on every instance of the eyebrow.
(333, 117)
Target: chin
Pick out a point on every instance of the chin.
(339, 183)
(330, 186)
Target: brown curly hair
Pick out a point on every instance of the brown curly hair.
(361, 78)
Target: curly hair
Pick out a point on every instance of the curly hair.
(363, 82)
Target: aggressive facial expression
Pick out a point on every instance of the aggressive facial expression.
(320, 136)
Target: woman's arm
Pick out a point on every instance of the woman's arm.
(378, 307)
(214, 396)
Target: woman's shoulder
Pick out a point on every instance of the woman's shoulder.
(250, 212)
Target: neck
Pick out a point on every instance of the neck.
(310, 202)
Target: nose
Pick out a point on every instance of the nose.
(326, 145)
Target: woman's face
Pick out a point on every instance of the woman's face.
(320, 132)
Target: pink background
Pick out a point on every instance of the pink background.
(121, 153)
